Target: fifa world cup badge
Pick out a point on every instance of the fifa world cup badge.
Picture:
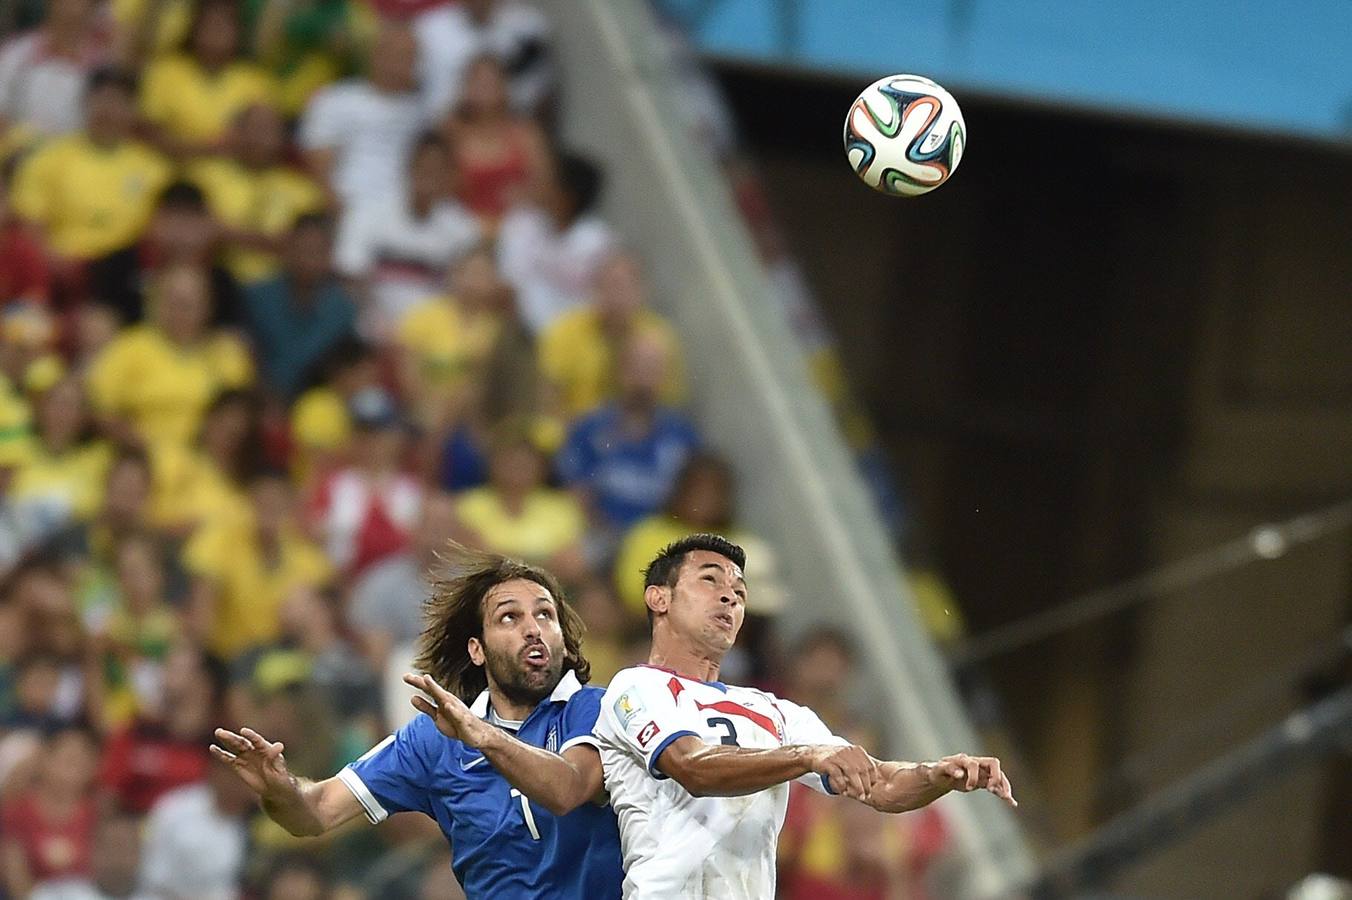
(626, 708)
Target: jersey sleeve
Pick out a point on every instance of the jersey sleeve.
(394, 775)
(803, 726)
(640, 716)
(579, 718)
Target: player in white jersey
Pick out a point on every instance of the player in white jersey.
(698, 770)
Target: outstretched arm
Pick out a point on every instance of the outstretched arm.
(560, 782)
(302, 807)
(903, 786)
(716, 770)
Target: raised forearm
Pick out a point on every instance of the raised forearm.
(716, 770)
(296, 809)
(549, 779)
(904, 786)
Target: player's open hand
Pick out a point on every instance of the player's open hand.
(848, 770)
(972, 773)
(452, 716)
(257, 761)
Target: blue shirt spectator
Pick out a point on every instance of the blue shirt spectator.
(297, 317)
(464, 462)
(626, 455)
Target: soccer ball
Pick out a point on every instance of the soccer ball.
(904, 135)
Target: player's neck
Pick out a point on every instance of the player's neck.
(507, 708)
(688, 662)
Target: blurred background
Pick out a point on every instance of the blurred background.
(1055, 462)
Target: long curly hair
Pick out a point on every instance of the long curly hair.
(454, 613)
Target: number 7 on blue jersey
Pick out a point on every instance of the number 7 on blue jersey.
(527, 815)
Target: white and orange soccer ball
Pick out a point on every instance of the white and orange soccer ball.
(904, 135)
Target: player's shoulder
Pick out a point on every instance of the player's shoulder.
(748, 695)
(588, 694)
(634, 677)
(421, 734)
(419, 728)
(435, 749)
(775, 700)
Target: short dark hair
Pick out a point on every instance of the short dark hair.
(665, 569)
(580, 178)
(111, 76)
(454, 613)
(183, 195)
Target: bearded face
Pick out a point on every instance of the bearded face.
(522, 646)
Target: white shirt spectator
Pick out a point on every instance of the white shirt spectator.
(405, 258)
(516, 34)
(551, 270)
(371, 131)
(40, 89)
(191, 849)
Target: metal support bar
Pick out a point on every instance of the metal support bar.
(1322, 728)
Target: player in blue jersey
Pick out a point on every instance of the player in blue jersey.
(503, 756)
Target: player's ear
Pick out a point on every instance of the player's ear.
(657, 597)
(476, 651)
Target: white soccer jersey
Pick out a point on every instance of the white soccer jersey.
(676, 845)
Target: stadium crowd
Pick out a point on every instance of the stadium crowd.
(292, 292)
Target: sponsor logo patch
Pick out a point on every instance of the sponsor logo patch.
(646, 735)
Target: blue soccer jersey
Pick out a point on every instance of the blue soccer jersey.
(502, 845)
